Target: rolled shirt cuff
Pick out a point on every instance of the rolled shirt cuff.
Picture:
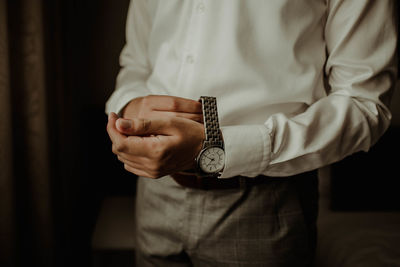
(247, 150)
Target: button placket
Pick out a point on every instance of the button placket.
(200, 8)
(189, 56)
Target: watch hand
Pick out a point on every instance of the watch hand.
(212, 163)
(207, 162)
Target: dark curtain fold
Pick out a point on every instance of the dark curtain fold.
(26, 214)
(58, 62)
(7, 215)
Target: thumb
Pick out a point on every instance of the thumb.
(143, 126)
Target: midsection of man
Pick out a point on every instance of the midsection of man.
(265, 62)
(258, 58)
(299, 84)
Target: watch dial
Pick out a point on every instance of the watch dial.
(212, 160)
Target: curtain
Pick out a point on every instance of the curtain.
(26, 221)
(7, 231)
(58, 62)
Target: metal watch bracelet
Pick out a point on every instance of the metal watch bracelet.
(211, 124)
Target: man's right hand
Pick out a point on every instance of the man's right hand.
(156, 106)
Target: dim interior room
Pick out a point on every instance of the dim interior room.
(82, 213)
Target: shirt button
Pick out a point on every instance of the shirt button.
(189, 59)
(201, 8)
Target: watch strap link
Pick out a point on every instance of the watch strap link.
(211, 124)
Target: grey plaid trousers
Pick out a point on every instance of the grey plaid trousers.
(271, 224)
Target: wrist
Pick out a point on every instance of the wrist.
(211, 158)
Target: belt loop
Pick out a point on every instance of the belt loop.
(242, 182)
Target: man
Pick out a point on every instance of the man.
(298, 84)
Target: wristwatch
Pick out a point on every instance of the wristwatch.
(211, 159)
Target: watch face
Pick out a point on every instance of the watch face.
(212, 160)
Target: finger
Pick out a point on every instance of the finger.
(117, 139)
(174, 103)
(191, 116)
(133, 160)
(111, 120)
(139, 149)
(151, 172)
(136, 171)
(131, 164)
(114, 134)
(144, 127)
(124, 126)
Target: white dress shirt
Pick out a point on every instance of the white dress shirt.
(299, 83)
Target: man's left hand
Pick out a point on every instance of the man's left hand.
(155, 147)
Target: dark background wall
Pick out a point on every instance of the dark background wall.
(84, 39)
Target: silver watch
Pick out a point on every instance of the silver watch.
(211, 159)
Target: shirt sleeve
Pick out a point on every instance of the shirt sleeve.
(134, 62)
(360, 70)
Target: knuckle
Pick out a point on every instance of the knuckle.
(159, 152)
(120, 147)
(141, 126)
(108, 127)
(128, 168)
(155, 167)
(154, 148)
(114, 149)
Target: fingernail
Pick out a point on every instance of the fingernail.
(125, 124)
